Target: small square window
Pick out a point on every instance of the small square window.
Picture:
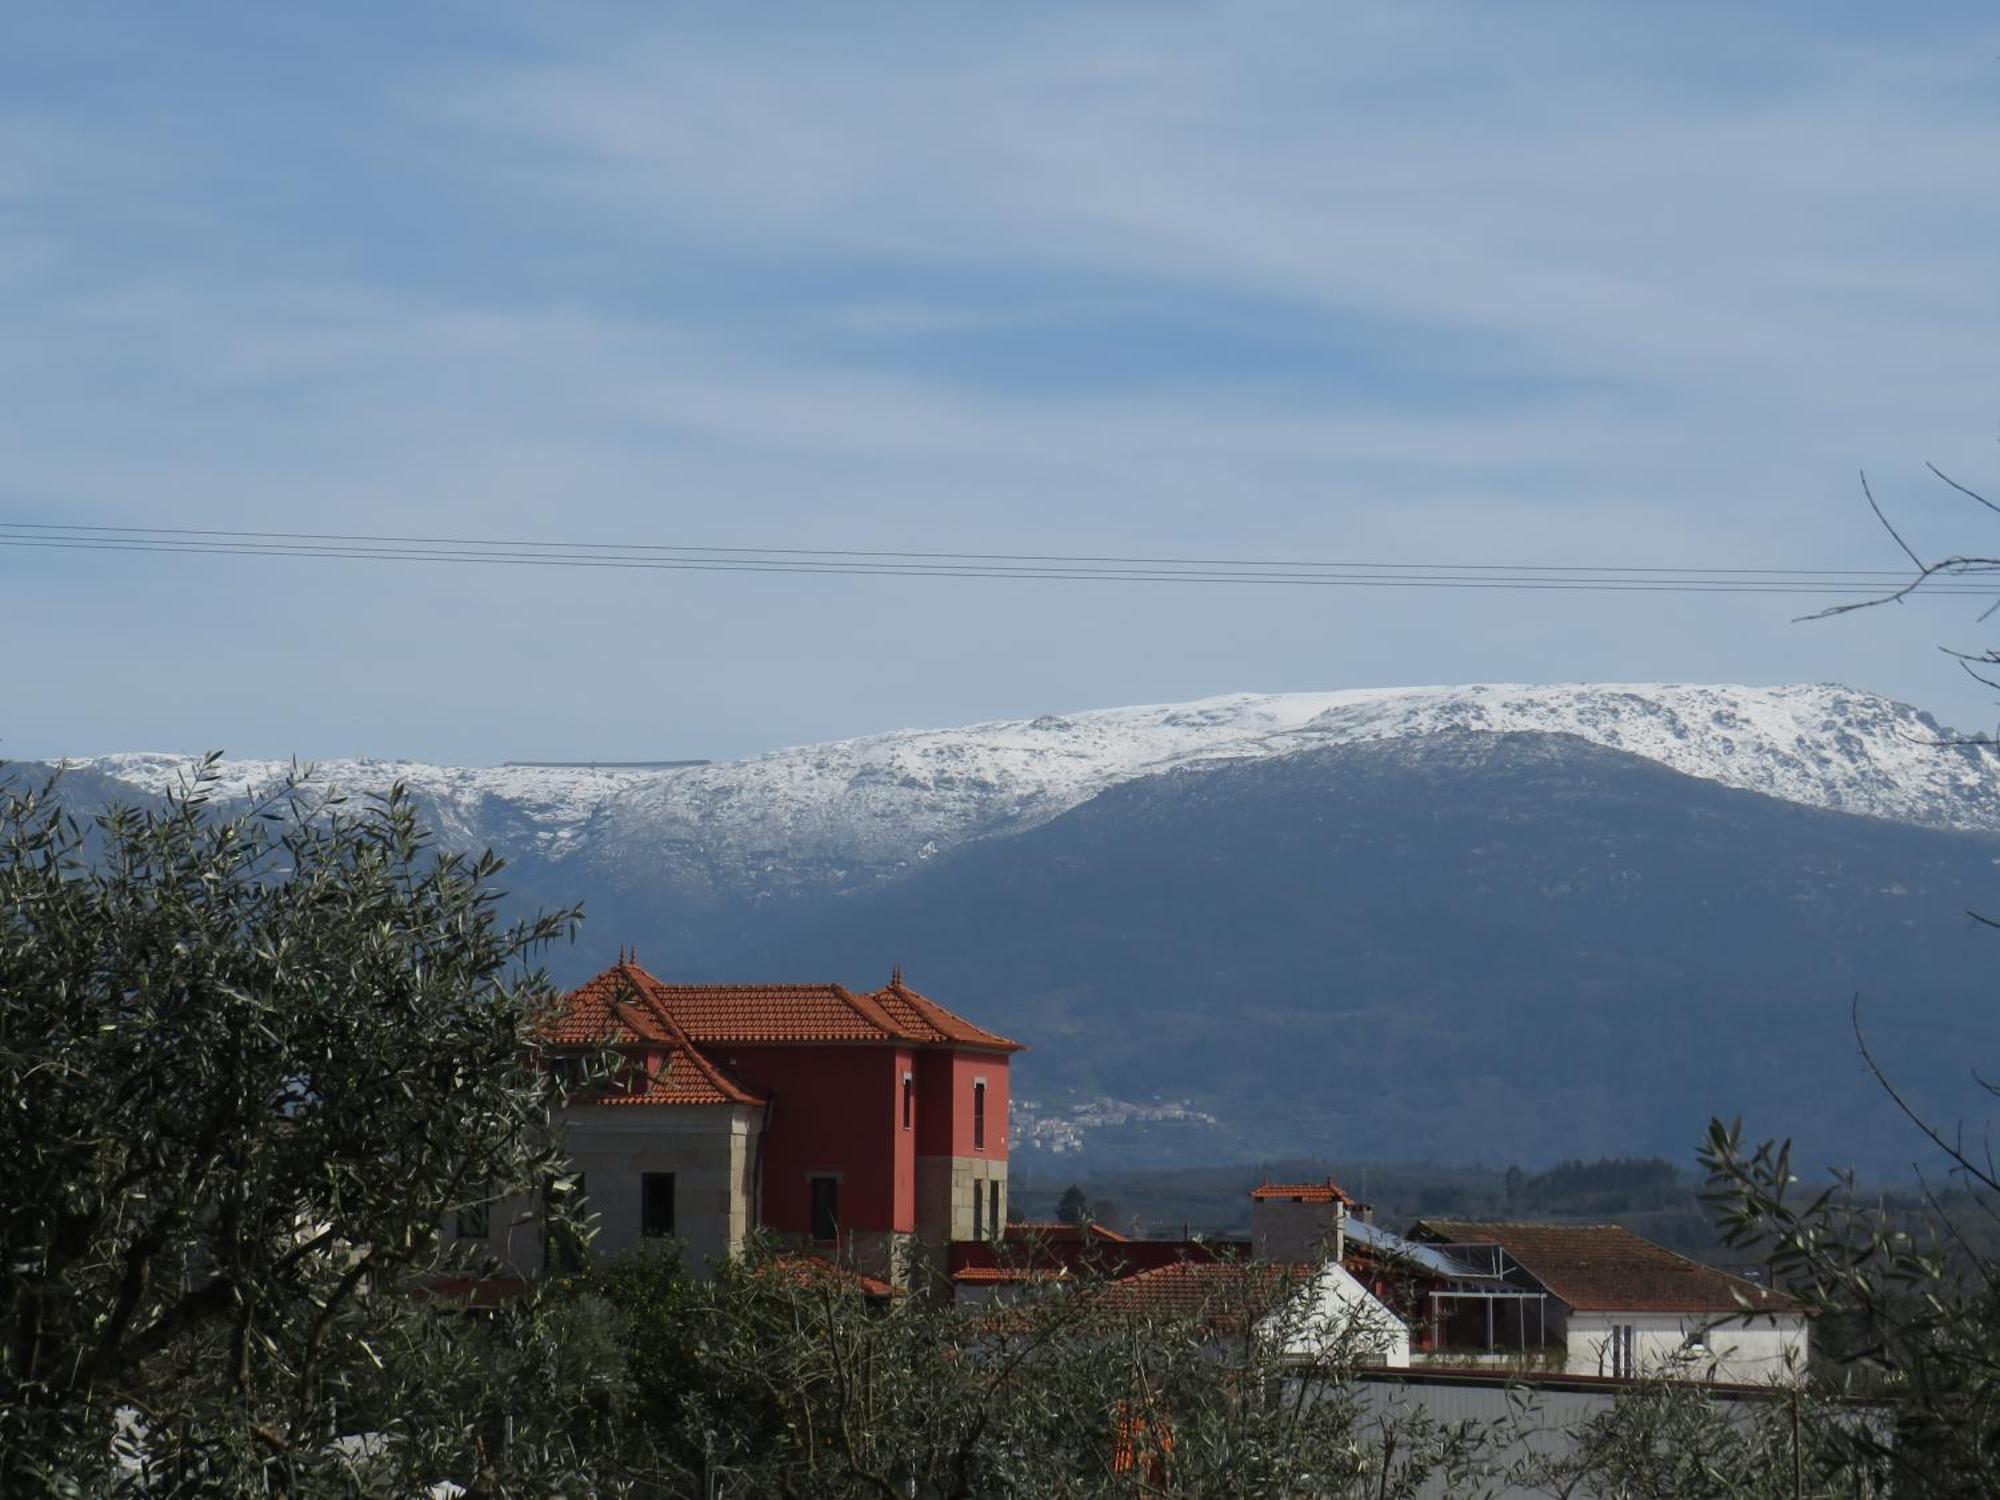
(473, 1222)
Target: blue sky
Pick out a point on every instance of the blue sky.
(1542, 283)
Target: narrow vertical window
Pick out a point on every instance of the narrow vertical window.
(1621, 1360)
(909, 1100)
(979, 1114)
(993, 1206)
(825, 1207)
(656, 1204)
(978, 1212)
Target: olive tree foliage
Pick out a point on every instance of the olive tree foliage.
(772, 1379)
(1909, 1319)
(1672, 1439)
(250, 1062)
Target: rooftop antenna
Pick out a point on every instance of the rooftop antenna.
(896, 977)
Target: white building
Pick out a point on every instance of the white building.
(1306, 1311)
(1618, 1305)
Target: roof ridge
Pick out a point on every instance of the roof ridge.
(942, 1018)
(676, 1035)
(1573, 1272)
(911, 1017)
(863, 1005)
(790, 1013)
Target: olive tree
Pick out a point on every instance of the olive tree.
(777, 1377)
(250, 1062)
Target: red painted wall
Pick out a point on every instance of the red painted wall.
(833, 1109)
(944, 1103)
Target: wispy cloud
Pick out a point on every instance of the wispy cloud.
(1551, 281)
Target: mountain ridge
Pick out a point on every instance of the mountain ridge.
(1475, 943)
(848, 814)
(1207, 903)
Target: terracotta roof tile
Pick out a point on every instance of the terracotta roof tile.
(813, 1270)
(1056, 1232)
(770, 1013)
(919, 1015)
(1218, 1291)
(617, 1010)
(686, 1077)
(1328, 1191)
(1608, 1268)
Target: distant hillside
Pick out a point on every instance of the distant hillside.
(1488, 922)
(1464, 947)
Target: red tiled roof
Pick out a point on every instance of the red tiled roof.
(1225, 1291)
(1303, 1192)
(773, 1013)
(1056, 1232)
(813, 1270)
(921, 1016)
(684, 1077)
(1608, 1268)
(616, 1010)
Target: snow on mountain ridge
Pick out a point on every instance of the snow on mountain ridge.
(850, 812)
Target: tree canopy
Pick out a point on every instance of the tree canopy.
(249, 1064)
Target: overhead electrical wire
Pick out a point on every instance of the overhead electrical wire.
(1038, 566)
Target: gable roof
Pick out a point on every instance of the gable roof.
(773, 1013)
(1608, 1268)
(921, 1017)
(615, 1010)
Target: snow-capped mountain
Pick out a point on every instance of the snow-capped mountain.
(852, 812)
(851, 809)
(1239, 902)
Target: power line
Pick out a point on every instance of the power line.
(1047, 567)
(305, 537)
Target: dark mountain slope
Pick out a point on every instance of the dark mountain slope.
(1471, 946)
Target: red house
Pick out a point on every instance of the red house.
(857, 1122)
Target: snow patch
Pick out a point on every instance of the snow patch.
(850, 812)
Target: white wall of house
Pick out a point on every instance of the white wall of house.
(1744, 1351)
(1334, 1314)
